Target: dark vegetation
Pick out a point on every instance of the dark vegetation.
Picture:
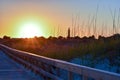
(68, 48)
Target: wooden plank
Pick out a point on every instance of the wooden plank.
(70, 75)
(58, 71)
(10, 70)
(85, 77)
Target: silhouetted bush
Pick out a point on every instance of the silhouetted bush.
(6, 37)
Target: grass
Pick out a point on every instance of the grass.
(67, 49)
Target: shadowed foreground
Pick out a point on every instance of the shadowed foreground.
(10, 70)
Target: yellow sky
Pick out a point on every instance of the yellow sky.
(55, 16)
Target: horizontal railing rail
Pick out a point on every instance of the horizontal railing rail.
(50, 68)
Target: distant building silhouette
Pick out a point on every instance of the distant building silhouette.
(68, 33)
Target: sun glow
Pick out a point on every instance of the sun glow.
(30, 30)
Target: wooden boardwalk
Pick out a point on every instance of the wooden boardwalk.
(47, 68)
(10, 70)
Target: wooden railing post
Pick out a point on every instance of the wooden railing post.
(85, 77)
(70, 75)
(58, 71)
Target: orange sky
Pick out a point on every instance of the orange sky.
(54, 15)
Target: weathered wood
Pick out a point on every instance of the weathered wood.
(85, 77)
(10, 70)
(70, 75)
(78, 69)
(35, 69)
(58, 71)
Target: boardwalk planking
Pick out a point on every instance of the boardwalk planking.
(10, 70)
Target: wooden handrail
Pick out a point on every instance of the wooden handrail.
(38, 63)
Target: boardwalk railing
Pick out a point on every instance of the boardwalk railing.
(50, 69)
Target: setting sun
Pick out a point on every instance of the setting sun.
(30, 30)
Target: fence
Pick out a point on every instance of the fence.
(49, 68)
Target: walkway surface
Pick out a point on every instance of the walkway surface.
(10, 70)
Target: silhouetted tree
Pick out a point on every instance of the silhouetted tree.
(6, 37)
